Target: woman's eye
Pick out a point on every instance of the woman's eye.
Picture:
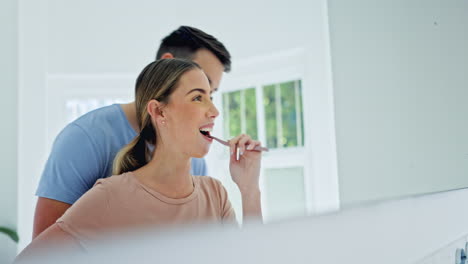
(198, 98)
(211, 98)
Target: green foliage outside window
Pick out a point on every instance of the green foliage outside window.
(288, 111)
(251, 113)
(240, 113)
(283, 114)
(234, 114)
(299, 83)
(269, 103)
(284, 126)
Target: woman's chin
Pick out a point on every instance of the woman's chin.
(200, 154)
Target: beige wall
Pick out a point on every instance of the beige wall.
(8, 117)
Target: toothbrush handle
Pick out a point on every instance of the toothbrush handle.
(260, 148)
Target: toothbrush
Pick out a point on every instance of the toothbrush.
(257, 148)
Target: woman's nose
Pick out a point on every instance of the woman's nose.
(213, 113)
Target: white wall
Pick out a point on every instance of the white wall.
(8, 117)
(121, 36)
(399, 72)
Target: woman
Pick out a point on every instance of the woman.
(154, 186)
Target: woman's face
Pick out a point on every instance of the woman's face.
(189, 111)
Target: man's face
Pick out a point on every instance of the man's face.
(211, 66)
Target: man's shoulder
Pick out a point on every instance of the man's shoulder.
(106, 115)
(101, 122)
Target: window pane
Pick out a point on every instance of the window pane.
(234, 114)
(251, 113)
(288, 109)
(301, 111)
(226, 114)
(285, 192)
(270, 115)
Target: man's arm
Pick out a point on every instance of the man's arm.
(47, 212)
(72, 168)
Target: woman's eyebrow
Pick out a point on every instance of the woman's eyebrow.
(197, 90)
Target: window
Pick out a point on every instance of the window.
(284, 192)
(283, 114)
(240, 113)
(282, 103)
(278, 107)
(264, 97)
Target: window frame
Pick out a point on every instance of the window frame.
(319, 162)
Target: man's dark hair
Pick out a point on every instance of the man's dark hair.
(185, 41)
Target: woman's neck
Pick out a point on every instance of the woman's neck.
(167, 173)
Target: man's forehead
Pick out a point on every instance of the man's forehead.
(211, 65)
(212, 89)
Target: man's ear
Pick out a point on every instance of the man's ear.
(167, 55)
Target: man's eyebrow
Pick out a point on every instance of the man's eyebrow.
(197, 90)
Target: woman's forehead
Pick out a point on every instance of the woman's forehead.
(193, 79)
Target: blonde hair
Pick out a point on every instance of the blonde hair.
(158, 80)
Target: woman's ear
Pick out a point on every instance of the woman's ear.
(154, 109)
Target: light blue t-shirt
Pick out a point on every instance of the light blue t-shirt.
(83, 152)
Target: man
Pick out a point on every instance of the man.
(85, 149)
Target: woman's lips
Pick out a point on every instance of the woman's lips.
(208, 138)
(206, 135)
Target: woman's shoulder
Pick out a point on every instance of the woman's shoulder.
(116, 181)
(210, 184)
(208, 180)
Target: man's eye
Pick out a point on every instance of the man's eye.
(211, 98)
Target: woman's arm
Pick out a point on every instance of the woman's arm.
(53, 238)
(245, 172)
(251, 205)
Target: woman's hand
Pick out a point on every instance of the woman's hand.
(245, 171)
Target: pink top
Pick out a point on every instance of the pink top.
(122, 201)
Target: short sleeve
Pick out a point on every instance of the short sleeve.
(199, 167)
(228, 215)
(86, 218)
(72, 168)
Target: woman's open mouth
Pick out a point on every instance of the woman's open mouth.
(206, 133)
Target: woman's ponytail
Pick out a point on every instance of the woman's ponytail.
(136, 154)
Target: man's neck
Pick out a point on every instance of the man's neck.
(130, 113)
